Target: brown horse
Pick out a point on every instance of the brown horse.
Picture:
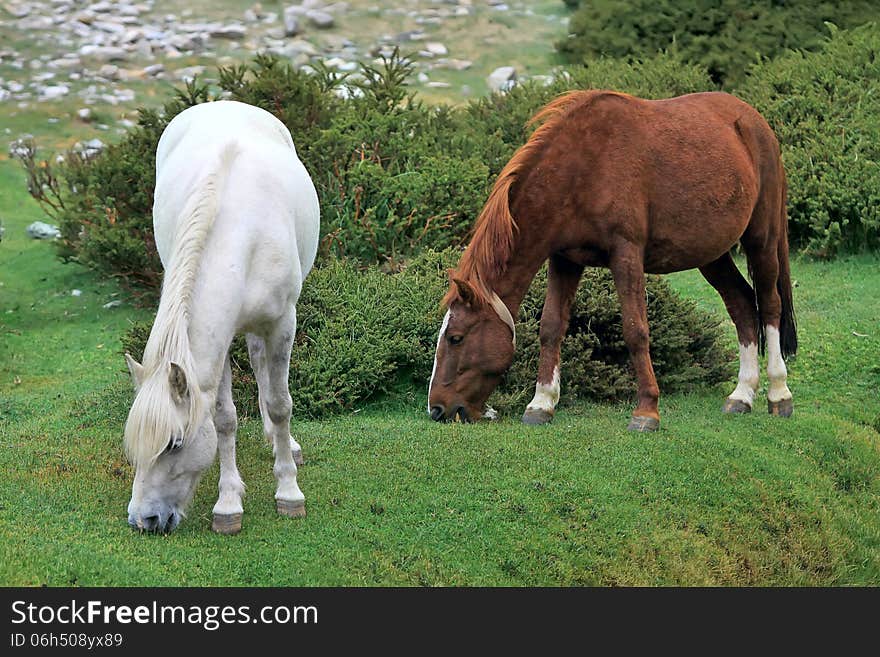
(637, 186)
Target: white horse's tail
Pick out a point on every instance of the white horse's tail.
(155, 418)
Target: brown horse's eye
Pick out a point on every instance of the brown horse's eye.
(455, 339)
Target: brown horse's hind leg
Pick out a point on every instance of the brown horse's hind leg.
(765, 271)
(627, 267)
(563, 277)
(739, 297)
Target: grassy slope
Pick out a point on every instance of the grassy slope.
(395, 499)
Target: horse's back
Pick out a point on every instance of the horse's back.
(263, 238)
(681, 176)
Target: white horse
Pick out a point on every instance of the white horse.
(236, 223)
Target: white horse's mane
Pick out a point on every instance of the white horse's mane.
(153, 420)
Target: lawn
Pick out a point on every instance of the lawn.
(394, 499)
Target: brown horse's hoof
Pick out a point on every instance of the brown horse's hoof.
(782, 408)
(291, 509)
(736, 406)
(298, 457)
(536, 416)
(227, 523)
(643, 423)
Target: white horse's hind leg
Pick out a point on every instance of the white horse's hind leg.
(257, 352)
(289, 498)
(228, 509)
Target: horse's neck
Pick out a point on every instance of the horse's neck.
(520, 270)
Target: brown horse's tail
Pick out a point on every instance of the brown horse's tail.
(787, 321)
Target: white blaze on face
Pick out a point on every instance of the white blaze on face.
(546, 395)
(748, 374)
(434, 370)
(776, 371)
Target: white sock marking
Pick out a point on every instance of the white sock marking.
(546, 395)
(776, 371)
(749, 376)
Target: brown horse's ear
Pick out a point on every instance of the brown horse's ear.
(465, 291)
(177, 380)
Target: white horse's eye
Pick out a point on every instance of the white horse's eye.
(174, 444)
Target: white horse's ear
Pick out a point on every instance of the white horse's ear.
(177, 380)
(136, 370)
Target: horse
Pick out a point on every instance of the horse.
(633, 185)
(236, 222)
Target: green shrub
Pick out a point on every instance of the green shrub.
(365, 334)
(825, 109)
(722, 36)
(393, 175)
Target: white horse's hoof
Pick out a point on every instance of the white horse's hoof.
(291, 508)
(782, 408)
(227, 523)
(736, 406)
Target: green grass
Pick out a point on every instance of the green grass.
(396, 499)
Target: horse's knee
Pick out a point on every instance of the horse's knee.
(225, 418)
(279, 407)
(636, 336)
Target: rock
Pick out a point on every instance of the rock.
(16, 10)
(291, 22)
(454, 64)
(54, 92)
(228, 32)
(320, 19)
(104, 53)
(112, 304)
(189, 73)
(109, 71)
(298, 46)
(154, 69)
(502, 78)
(109, 27)
(76, 293)
(84, 114)
(436, 49)
(41, 231)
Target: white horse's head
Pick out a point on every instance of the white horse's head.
(171, 441)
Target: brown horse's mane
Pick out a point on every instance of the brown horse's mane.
(491, 246)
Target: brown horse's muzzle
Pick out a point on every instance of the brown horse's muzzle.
(439, 413)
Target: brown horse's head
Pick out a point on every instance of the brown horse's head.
(474, 350)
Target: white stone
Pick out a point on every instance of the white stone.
(54, 92)
(42, 231)
(109, 71)
(320, 19)
(502, 78)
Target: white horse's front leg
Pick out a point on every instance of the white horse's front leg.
(289, 499)
(228, 510)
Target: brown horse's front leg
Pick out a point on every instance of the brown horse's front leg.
(563, 277)
(627, 267)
